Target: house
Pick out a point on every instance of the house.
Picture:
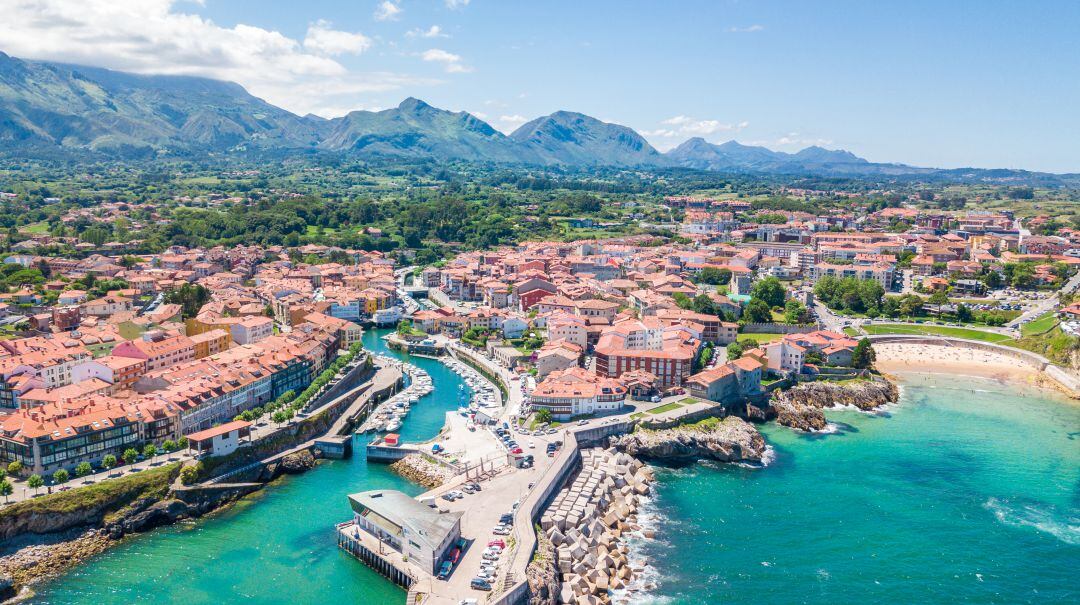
(158, 349)
(220, 440)
(555, 356)
(789, 354)
(576, 391)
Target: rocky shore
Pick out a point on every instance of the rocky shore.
(581, 557)
(731, 439)
(420, 470)
(46, 546)
(800, 407)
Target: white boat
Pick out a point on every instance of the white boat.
(393, 426)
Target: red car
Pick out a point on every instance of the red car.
(516, 450)
(500, 543)
(455, 555)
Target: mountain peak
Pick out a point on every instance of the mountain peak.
(413, 104)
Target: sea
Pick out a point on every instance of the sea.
(966, 491)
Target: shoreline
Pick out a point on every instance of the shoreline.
(899, 359)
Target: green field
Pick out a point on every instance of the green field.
(851, 332)
(1040, 325)
(760, 337)
(667, 407)
(928, 330)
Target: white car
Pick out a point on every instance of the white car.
(532, 445)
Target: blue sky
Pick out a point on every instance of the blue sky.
(949, 84)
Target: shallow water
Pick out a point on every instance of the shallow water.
(966, 492)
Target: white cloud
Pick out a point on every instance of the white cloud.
(432, 32)
(157, 37)
(509, 123)
(387, 11)
(456, 4)
(677, 129)
(684, 125)
(322, 39)
(451, 62)
(750, 29)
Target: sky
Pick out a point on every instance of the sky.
(990, 84)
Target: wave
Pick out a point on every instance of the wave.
(1044, 519)
(767, 458)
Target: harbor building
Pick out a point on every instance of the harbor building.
(421, 534)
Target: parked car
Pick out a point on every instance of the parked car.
(497, 542)
(479, 584)
(445, 569)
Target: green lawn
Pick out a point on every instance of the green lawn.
(852, 332)
(1040, 325)
(39, 228)
(667, 407)
(930, 330)
(760, 337)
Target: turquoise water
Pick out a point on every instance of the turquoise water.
(277, 546)
(968, 493)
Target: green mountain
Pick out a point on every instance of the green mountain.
(54, 104)
(700, 154)
(565, 137)
(416, 129)
(53, 108)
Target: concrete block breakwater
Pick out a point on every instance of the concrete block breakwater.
(583, 526)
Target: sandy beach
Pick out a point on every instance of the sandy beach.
(900, 358)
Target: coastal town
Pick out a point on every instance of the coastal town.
(117, 362)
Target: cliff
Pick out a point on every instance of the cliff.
(729, 440)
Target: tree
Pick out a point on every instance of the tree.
(714, 276)
(938, 299)
(190, 297)
(544, 415)
(60, 476)
(35, 482)
(769, 290)
(734, 351)
(169, 446)
(963, 313)
(108, 462)
(795, 312)
(992, 279)
(190, 474)
(279, 417)
(150, 451)
(130, 455)
(757, 311)
(6, 488)
(182, 442)
(83, 469)
(15, 468)
(864, 355)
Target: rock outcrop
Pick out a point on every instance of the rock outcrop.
(799, 416)
(420, 470)
(800, 407)
(297, 462)
(584, 525)
(729, 440)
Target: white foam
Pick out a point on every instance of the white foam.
(1028, 515)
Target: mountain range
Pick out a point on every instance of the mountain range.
(47, 106)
